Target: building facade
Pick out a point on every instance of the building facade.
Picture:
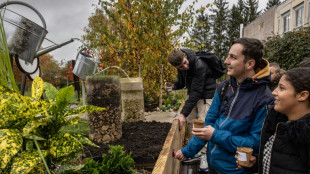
(291, 15)
(262, 27)
(288, 16)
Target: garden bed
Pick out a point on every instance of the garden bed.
(144, 139)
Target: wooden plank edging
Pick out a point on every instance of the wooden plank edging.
(165, 163)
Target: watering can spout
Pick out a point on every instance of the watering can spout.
(46, 50)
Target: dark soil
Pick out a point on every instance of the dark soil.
(150, 108)
(144, 139)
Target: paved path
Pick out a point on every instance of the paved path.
(160, 116)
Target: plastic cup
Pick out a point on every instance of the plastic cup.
(169, 88)
(198, 123)
(244, 155)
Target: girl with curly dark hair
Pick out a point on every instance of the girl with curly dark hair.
(285, 138)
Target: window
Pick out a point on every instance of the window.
(286, 22)
(299, 15)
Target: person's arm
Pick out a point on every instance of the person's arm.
(180, 84)
(195, 144)
(196, 92)
(226, 140)
(182, 119)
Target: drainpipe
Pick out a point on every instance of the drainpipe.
(241, 30)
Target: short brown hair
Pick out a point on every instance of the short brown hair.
(277, 66)
(253, 49)
(305, 63)
(176, 57)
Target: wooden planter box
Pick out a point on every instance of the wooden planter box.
(166, 163)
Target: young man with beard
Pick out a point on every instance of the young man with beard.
(236, 119)
(275, 75)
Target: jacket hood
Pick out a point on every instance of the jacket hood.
(191, 55)
(261, 77)
(263, 71)
(299, 130)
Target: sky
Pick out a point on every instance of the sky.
(66, 19)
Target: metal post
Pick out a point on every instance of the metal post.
(76, 81)
(83, 97)
(23, 85)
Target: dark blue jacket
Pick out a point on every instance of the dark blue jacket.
(237, 122)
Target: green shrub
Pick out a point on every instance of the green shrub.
(290, 49)
(115, 162)
(173, 100)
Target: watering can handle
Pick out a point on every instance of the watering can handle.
(27, 5)
(96, 58)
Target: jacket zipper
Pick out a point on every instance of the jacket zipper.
(231, 106)
(275, 135)
(229, 112)
(272, 145)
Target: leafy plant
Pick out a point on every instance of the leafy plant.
(290, 49)
(173, 100)
(6, 72)
(34, 132)
(91, 167)
(69, 169)
(115, 162)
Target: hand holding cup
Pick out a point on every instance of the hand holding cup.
(244, 157)
(197, 123)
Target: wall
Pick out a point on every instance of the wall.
(262, 27)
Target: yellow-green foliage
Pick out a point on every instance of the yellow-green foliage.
(11, 143)
(25, 120)
(28, 161)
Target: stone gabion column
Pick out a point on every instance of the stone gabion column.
(104, 91)
(132, 99)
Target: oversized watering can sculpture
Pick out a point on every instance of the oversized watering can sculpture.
(87, 61)
(24, 37)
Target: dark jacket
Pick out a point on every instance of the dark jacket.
(291, 147)
(237, 121)
(274, 84)
(197, 80)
